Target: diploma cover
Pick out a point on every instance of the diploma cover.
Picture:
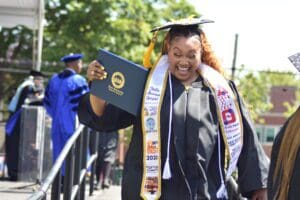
(125, 82)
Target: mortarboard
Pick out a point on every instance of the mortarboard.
(36, 73)
(182, 22)
(71, 57)
(295, 60)
(185, 22)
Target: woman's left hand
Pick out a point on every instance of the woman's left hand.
(260, 194)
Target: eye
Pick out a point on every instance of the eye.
(193, 56)
(177, 55)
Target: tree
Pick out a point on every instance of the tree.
(16, 43)
(255, 89)
(121, 26)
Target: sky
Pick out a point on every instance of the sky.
(268, 31)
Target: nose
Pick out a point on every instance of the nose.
(183, 62)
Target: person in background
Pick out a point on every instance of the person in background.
(29, 92)
(284, 174)
(108, 144)
(61, 101)
(193, 130)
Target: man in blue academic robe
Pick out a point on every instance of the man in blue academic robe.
(61, 101)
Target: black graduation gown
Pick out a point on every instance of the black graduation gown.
(193, 153)
(294, 191)
(12, 141)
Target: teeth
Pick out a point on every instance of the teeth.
(183, 68)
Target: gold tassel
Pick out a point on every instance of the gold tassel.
(147, 55)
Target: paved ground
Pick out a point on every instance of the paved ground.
(113, 193)
(22, 191)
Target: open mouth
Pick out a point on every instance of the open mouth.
(182, 68)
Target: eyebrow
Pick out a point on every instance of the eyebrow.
(177, 48)
(191, 51)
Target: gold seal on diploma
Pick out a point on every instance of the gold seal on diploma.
(118, 80)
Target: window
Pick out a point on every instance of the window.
(270, 134)
(267, 134)
(259, 132)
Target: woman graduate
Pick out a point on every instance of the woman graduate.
(193, 131)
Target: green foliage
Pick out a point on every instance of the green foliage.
(16, 43)
(255, 89)
(121, 26)
(178, 10)
(255, 93)
(290, 108)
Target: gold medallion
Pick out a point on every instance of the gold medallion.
(118, 80)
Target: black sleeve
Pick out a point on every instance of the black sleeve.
(112, 119)
(23, 96)
(253, 164)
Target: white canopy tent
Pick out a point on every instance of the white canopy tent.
(29, 13)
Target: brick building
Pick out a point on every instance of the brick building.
(274, 119)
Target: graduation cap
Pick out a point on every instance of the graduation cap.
(295, 60)
(185, 22)
(36, 73)
(182, 22)
(71, 57)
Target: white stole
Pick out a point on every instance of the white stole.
(151, 106)
(230, 121)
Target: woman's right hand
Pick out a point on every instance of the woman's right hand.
(96, 71)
